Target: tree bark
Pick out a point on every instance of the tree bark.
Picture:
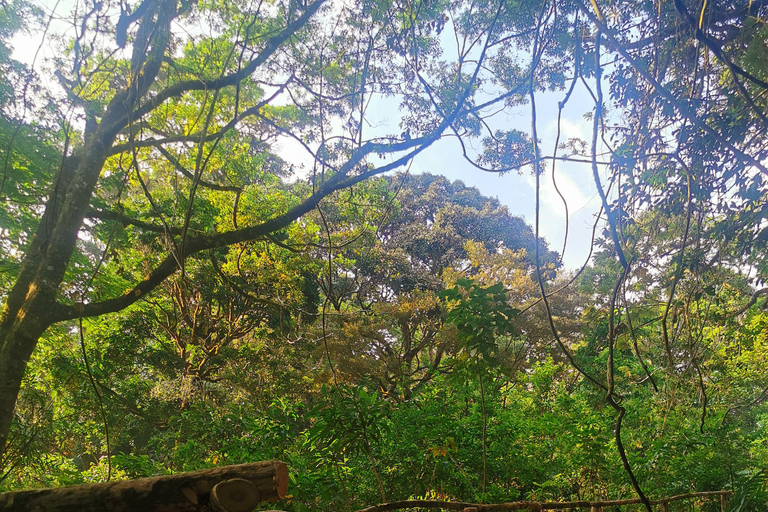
(16, 347)
(185, 492)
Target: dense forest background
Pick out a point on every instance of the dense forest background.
(179, 291)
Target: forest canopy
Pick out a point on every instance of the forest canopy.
(211, 251)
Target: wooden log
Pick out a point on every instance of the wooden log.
(533, 505)
(185, 492)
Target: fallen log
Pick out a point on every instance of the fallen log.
(233, 488)
(539, 506)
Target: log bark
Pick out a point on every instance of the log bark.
(185, 492)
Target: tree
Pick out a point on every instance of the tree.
(170, 126)
(388, 262)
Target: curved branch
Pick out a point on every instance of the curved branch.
(129, 221)
(196, 244)
(198, 137)
(752, 301)
(537, 172)
(269, 49)
(596, 124)
(716, 47)
(183, 170)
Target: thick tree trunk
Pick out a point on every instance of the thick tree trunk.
(31, 303)
(241, 487)
(16, 347)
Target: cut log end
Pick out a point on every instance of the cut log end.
(235, 495)
(281, 479)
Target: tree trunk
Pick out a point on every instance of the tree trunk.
(31, 303)
(185, 492)
(16, 347)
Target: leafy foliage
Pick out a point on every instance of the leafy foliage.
(168, 267)
(481, 315)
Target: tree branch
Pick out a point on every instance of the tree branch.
(533, 505)
(752, 301)
(194, 245)
(183, 170)
(129, 221)
(269, 49)
(683, 109)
